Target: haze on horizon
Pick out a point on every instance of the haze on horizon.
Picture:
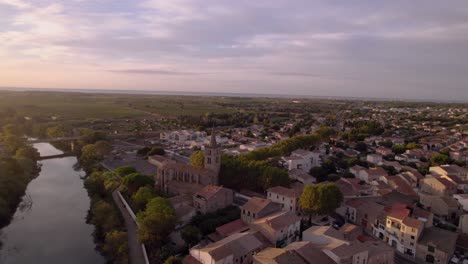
(382, 49)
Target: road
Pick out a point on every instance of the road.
(136, 254)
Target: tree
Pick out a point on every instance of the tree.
(320, 199)
(116, 246)
(439, 159)
(197, 159)
(124, 170)
(94, 183)
(361, 146)
(412, 145)
(156, 222)
(398, 149)
(27, 152)
(90, 156)
(102, 147)
(104, 217)
(173, 260)
(58, 131)
(156, 151)
(142, 196)
(14, 142)
(136, 180)
(191, 235)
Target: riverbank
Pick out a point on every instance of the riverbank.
(16, 173)
(49, 226)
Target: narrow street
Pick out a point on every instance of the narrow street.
(136, 255)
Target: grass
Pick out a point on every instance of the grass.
(78, 106)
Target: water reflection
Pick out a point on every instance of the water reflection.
(49, 225)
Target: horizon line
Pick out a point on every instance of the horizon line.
(224, 94)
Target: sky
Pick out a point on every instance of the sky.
(367, 48)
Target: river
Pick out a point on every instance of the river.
(50, 225)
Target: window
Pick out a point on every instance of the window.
(430, 259)
(431, 249)
(412, 237)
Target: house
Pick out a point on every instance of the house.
(280, 228)
(384, 151)
(302, 177)
(413, 178)
(355, 253)
(302, 160)
(257, 208)
(287, 197)
(436, 246)
(445, 207)
(323, 237)
(356, 170)
(352, 187)
(277, 256)
(211, 198)
(371, 174)
(237, 248)
(183, 209)
(297, 252)
(403, 230)
(453, 169)
(438, 186)
(399, 185)
(394, 164)
(374, 158)
(462, 200)
(350, 232)
(236, 226)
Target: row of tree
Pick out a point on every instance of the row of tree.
(18, 166)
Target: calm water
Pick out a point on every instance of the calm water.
(50, 225)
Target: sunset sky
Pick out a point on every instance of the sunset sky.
(368, 48)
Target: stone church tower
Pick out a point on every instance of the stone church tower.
(213, 157)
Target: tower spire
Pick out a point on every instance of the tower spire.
(213, 143)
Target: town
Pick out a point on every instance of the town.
(353, 182)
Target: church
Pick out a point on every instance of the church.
(178, 179)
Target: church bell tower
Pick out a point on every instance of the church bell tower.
(213, 157)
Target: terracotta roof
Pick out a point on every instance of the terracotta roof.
(209, 191)
(414, 223)
(443, 240)
(256, 205)
(300, 152)
(236, 244)
(399, 212)
(347, 228)
(232, 227)
(346, 251)
(377, 171)
(448, 184)
(309, 253)
(283, 191)
(277, 221)
(277, 256)
(402, 186)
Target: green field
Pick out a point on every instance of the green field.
(79, 106)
